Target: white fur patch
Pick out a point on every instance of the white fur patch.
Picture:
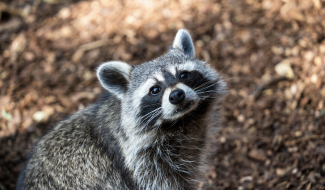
(168, 108)
(172, 70)
(159, 76)
(188, 66)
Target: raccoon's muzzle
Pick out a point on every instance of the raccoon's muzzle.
(177, 96)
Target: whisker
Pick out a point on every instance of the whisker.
(151, 112)
(174, 123)
(207, 91)
(229, 79)
(207, 100)
(150, 105)
(201, 85)
(153, 117)
(203, 88)
(225, 67)
(237, 77)
(211, 98)
(197, 74)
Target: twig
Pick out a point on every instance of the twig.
(86, 47)
(264, 86)
(13, 24)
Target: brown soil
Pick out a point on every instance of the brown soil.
(274, 128)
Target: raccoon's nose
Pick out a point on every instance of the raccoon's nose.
(177, 96)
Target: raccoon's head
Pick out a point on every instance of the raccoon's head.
(158, 93)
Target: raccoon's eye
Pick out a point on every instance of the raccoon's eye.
(155, 90)
(184, 75)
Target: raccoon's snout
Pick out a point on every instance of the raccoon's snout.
(178, 101)
(177, 96)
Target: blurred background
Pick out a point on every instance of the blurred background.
(270, 52)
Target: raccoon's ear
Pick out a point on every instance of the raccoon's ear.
(114, 77)
(183, 41)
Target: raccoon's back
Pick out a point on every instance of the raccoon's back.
(73, 156)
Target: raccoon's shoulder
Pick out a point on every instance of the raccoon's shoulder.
(84, 123)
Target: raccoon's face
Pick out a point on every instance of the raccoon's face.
(172, 90)
(164, 90)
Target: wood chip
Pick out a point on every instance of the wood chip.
(257, 154)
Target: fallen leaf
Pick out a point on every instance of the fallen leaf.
(284, 69)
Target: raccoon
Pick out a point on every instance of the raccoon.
(149, 131)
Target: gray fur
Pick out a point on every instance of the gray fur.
(128, 140)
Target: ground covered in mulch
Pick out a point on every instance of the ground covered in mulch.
(271, 53)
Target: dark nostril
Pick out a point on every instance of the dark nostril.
(177, 96)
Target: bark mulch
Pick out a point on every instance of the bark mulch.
(270, 52)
